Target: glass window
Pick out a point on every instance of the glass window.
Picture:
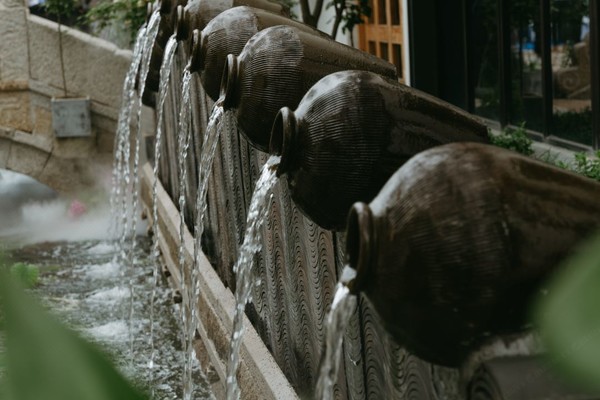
(484, 78)
(526, 100)
(570, 42)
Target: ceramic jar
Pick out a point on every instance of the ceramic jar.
(351, 131)
(277, 67)
(228, 33)
(198, 13)
(460, 238)
(165, 30)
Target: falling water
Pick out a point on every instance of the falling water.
(165, 74)
(122, 135)
(152, 31)
(337, 319)
(127, 214)
(183, 140)
(150, 37)
(190, 317)
(257, 215)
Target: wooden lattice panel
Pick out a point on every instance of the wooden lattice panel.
(381, 34)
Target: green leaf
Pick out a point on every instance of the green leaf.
(27, 274)
(48, 361)
(569, 318)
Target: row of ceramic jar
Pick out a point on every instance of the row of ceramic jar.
(457, 235)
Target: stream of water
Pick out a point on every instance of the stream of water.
(187, 318)
(165, 74)
(118, 197)
(336, 321)
(257, 214)
(151, 33)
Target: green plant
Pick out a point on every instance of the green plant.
(587, 166)
(26, 274)
(349, 14)
(128, 13)
(568, 319)
(515, 139)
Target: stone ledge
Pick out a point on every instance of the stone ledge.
(38, 142)
(93, 66)
(14, 86)
(46, 90)
(260, 376)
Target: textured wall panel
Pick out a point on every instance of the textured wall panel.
(297, 268)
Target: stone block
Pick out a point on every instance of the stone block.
(84, 147)
(15, 110)
(41, 121)
(5, 145)
(93, 67)
(14, 62)
(66, 176)
(26, 159)
(105, 142)
(12, 3)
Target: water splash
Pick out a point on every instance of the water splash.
(183, 140)
(336, 321)
(257, 215)
(76, 284)
(165, 75)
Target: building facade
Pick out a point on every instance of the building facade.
(530, 63)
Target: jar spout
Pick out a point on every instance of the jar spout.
(360, 246)
(229, 81)
(281, 142)
(182, 24)
(197, 51)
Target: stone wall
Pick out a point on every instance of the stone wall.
(30, 75)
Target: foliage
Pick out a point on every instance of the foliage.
(514, 139)
(568, 317)
(61, 8)
(350, 13)
(45, 360)
(587, 166)
(130, 14)
(26, 274)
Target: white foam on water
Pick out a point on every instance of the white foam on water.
(100, 271)
(113, 331)
(102, 248)
(112, 295)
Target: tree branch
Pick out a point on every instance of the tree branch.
(338, 19)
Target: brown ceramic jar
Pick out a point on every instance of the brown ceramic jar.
(460, 238)
(277, 67)
(165, 30)
(198, 13)
(351, 132)
(228, 33)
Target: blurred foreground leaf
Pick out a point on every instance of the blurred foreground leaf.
(27, 274)
(46, 361)
(569, 317)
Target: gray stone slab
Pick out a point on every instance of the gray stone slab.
(14, 60)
